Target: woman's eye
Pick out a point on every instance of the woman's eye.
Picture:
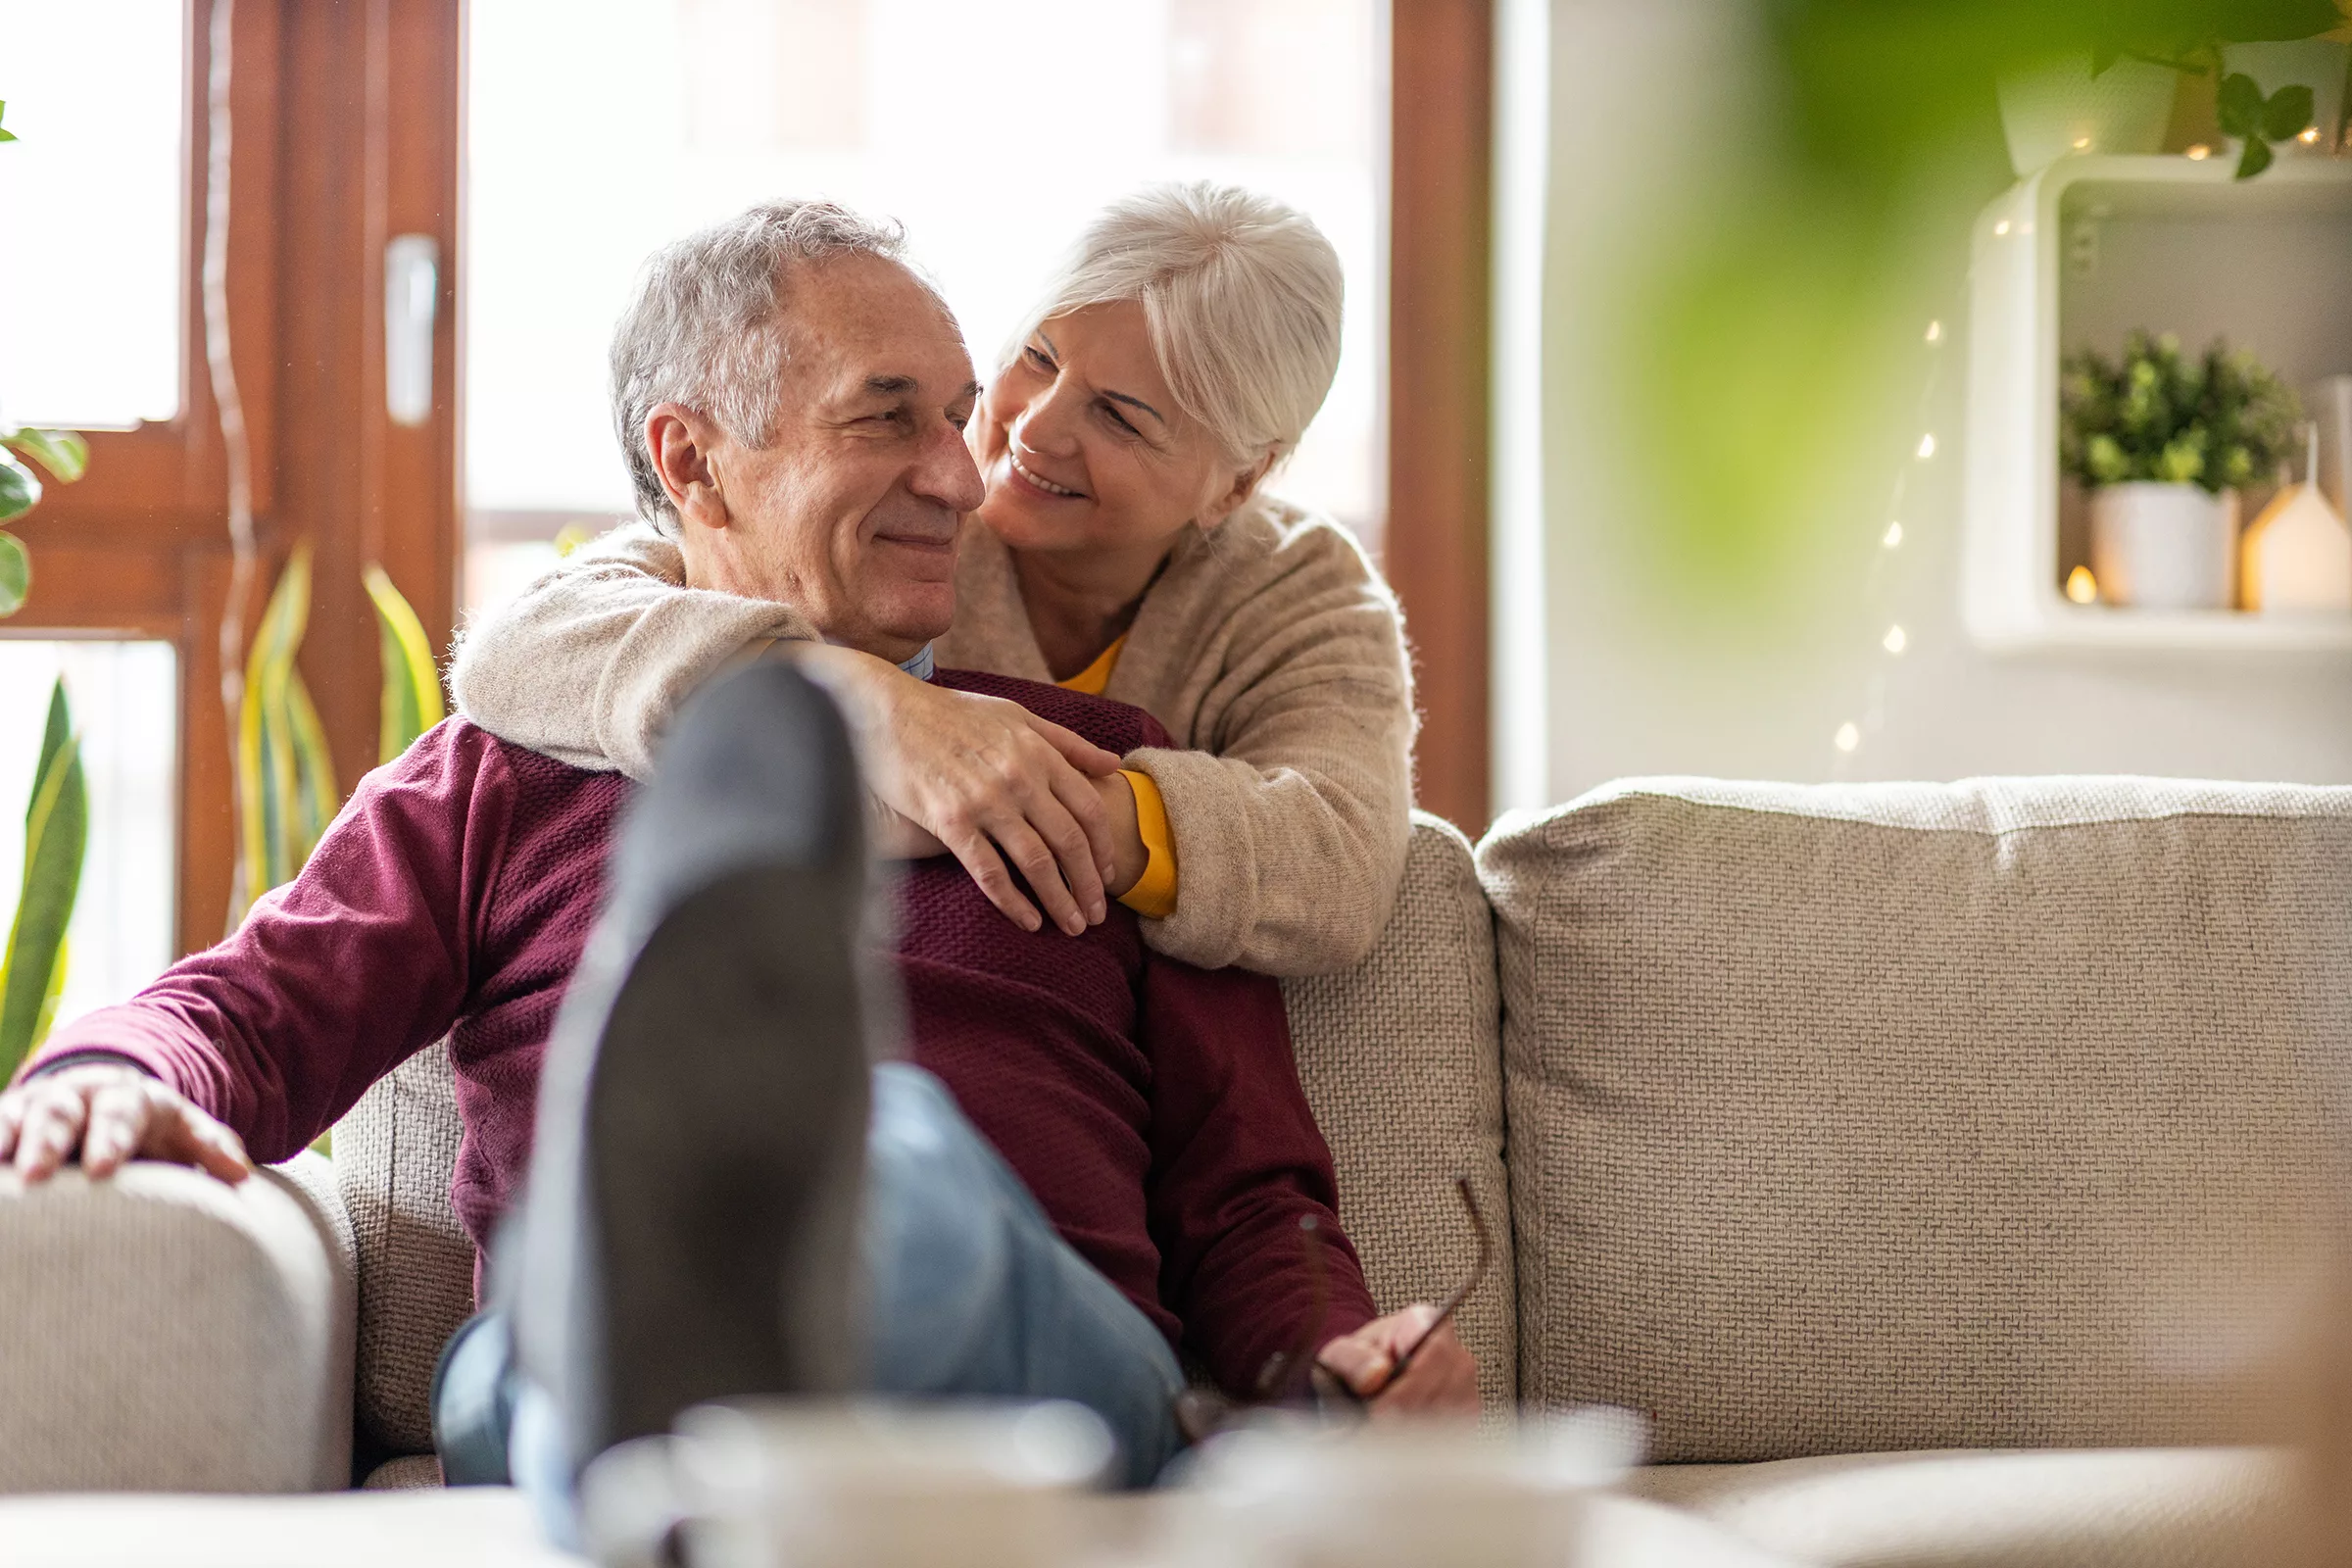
(1118, 419)
(1037, 357)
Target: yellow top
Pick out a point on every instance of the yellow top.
(1154, 895)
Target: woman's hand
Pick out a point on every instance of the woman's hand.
(1441, 1381)
(986, 778)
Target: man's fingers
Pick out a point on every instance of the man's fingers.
(187, 1137)
(1080, 753)
(119, 1115)
(1020, 844)
(977, 855)
(52, 1127)
(1362, 1365)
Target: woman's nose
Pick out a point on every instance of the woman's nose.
(1047, 425)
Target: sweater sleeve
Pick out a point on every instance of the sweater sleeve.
(335, 979)
(1237, 1162)
(590, 661)
(1292, 821)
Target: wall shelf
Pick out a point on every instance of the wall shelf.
(2079, 254)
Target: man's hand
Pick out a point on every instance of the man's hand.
(110, 1114)
(1441, 1381)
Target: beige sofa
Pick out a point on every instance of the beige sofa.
(1935, 1166)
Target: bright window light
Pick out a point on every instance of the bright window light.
(993, 131)
(91, 276)
(126, 705)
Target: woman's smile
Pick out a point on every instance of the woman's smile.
(1034, 480)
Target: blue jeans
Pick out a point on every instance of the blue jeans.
(969, 1291)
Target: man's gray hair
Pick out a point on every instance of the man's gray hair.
(706, 327)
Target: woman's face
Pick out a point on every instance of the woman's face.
(1083, 448)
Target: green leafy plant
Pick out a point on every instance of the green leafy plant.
(2240, 105)
(2218, 420)
(65, 455)
(57, 824)
(285, 773)
(412, 682)
(2257, 121)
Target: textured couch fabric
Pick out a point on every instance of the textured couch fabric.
(2086, 1508)
(1843, 1119)
(1402, 1062)
(396, 1153)
(161, 1330)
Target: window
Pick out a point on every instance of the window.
(91, 332)
(600, 129)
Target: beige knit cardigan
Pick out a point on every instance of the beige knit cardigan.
(1270, 648)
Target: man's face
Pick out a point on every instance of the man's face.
(850, 512)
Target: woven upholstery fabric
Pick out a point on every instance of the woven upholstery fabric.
(396, 1154)
(1853, 1119)
(1402, 1062)
(162, 1331)
(2130, 1508)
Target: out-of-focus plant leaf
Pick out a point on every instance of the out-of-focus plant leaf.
(2237, 105)
(2287, 115)
(411, 683)
(15, 574)
(20, 490)
(2255, 159)
(56, 834)
(65, 454)
(6, 134)
(285, 774)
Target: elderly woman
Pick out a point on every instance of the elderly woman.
(1125, 547)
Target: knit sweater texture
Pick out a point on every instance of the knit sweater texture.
(1269, 649)
(1151, 1108)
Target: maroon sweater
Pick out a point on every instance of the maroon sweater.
(1153, 1108)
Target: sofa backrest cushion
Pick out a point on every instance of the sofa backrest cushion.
(1401, 1061)
(1399, 1057)
(396, 1153)
(1911, 1116)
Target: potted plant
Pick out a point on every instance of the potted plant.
(2115, 94)
(2162, 441)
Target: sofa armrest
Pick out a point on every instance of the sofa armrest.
(164, 1330)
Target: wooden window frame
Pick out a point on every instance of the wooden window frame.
(328, 162)
(1440, 156)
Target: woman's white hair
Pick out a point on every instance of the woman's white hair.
(1241, 294)
(706, 326)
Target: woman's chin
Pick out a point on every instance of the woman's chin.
(1023, 527)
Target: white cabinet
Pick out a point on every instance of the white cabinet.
(2078, 255)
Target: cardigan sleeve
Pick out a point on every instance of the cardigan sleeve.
(1291, 819)
(589, 664)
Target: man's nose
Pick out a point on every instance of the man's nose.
(946, 472)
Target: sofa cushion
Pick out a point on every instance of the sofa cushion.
(396, 1153)
(164, 1329)
(1881, 1117)
(2128, 1508)
(1401, 1061)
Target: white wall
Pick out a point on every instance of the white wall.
(1600, 674)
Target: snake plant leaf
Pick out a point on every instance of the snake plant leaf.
(20, 490)
(285, 774)
(15, 574)
(55, 833)
(411, 683)
(65, 455)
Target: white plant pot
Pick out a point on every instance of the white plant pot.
(2061, 108)
(2164, 546)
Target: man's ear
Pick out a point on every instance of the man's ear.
(682, 441)
(1245, 485)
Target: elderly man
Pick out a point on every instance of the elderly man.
(1096, 1156)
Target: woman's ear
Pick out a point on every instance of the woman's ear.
(682, 442)
(1245, 485)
